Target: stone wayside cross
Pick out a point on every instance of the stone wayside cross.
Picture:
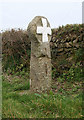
(39, 32)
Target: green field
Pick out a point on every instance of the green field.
(64, 100)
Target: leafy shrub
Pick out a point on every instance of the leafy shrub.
(16, 50)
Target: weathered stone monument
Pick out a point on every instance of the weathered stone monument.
(39, 32)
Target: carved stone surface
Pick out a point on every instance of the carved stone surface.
(39, 32)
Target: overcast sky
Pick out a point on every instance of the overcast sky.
(18, 13)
